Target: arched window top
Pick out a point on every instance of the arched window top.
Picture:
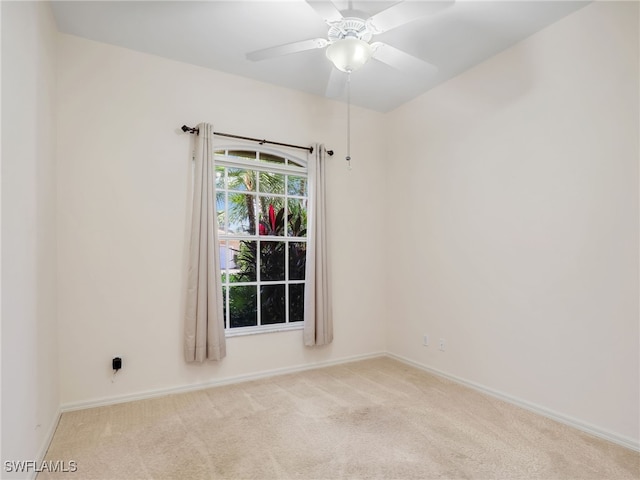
(259, 158)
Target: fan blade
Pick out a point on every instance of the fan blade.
(287, 49)
(402, 61)
(343, 5)
(336, 83)
(404, 12)
(326, 10)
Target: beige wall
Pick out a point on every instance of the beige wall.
(520, 240)
(30, 395)
(123, 174)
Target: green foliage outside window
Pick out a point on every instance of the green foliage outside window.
(274, 253)
(272, 261)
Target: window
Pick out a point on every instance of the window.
(261, 200)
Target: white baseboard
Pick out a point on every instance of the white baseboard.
(101, 402)
(545, 412)
(46, 442)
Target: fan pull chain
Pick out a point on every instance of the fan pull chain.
(348, 157)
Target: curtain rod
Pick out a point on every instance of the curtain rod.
(260, 141)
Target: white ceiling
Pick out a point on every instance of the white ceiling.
(218, 35)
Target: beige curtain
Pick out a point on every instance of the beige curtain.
(318, 320)
(204, 321)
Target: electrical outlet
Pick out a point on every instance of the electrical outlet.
(425, 340)
(116, 363)
(443, 344)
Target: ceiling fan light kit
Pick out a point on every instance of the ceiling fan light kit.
(349, 47)
(349, 54)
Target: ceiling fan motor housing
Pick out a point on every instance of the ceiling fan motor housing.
(349, 27)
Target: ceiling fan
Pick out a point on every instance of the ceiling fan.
(348, 43)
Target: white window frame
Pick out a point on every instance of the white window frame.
(293, 166)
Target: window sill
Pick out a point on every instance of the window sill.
(242, 331)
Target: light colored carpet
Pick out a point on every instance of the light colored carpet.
(376, 418)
